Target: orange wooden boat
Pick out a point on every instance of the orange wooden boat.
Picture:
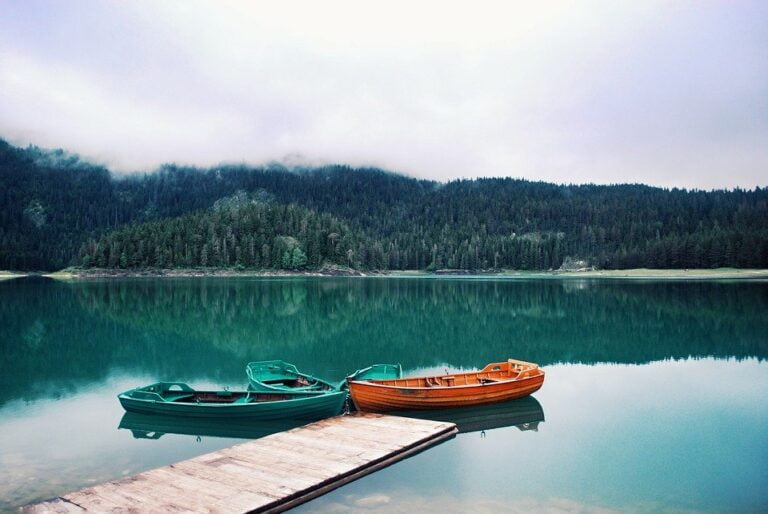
(496, 382)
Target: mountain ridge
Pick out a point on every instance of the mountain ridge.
(52, 206)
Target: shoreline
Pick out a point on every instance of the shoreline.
(7, 275)
(630, 274)
(77, 274)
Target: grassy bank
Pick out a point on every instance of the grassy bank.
(6, 275)
(76, 273)
(629, 274)
(635, 274)
(676, 274)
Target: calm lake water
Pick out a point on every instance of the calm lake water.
(656, 397)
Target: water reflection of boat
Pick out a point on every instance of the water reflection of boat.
(524, 413)
(152, 426)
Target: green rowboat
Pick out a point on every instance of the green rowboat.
(281, 376)
(179, 399)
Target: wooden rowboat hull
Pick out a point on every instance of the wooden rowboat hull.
(495, 383)
(373, 398)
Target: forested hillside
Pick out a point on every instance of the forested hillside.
(56, 210)
(239, 231)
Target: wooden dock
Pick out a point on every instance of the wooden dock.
(271, 474)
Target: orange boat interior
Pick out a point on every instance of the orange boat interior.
(495, 372)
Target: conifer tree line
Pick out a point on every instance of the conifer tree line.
(57, 211)
(238, 232)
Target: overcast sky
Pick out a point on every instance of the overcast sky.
(666, 93)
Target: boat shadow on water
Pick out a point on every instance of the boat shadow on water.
(524, 413)
(152, 426)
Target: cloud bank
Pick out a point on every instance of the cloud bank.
(666, 94)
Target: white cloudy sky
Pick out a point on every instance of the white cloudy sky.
(667, 93)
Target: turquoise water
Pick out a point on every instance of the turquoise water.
(656, 395)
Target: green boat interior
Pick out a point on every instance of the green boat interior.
(295, 382)
(279, 374)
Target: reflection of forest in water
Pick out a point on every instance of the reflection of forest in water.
(55, 336)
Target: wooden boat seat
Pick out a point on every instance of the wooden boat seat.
(489, 380)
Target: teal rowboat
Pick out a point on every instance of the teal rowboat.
(280, 376)
(179, 399)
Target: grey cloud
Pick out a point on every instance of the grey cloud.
(672, 95)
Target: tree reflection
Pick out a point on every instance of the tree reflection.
(57, 337)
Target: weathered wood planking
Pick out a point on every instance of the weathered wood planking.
(271, 474)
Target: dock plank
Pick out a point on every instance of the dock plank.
(324, 452)
(243, 483)
(271, 474)
(312, 464)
